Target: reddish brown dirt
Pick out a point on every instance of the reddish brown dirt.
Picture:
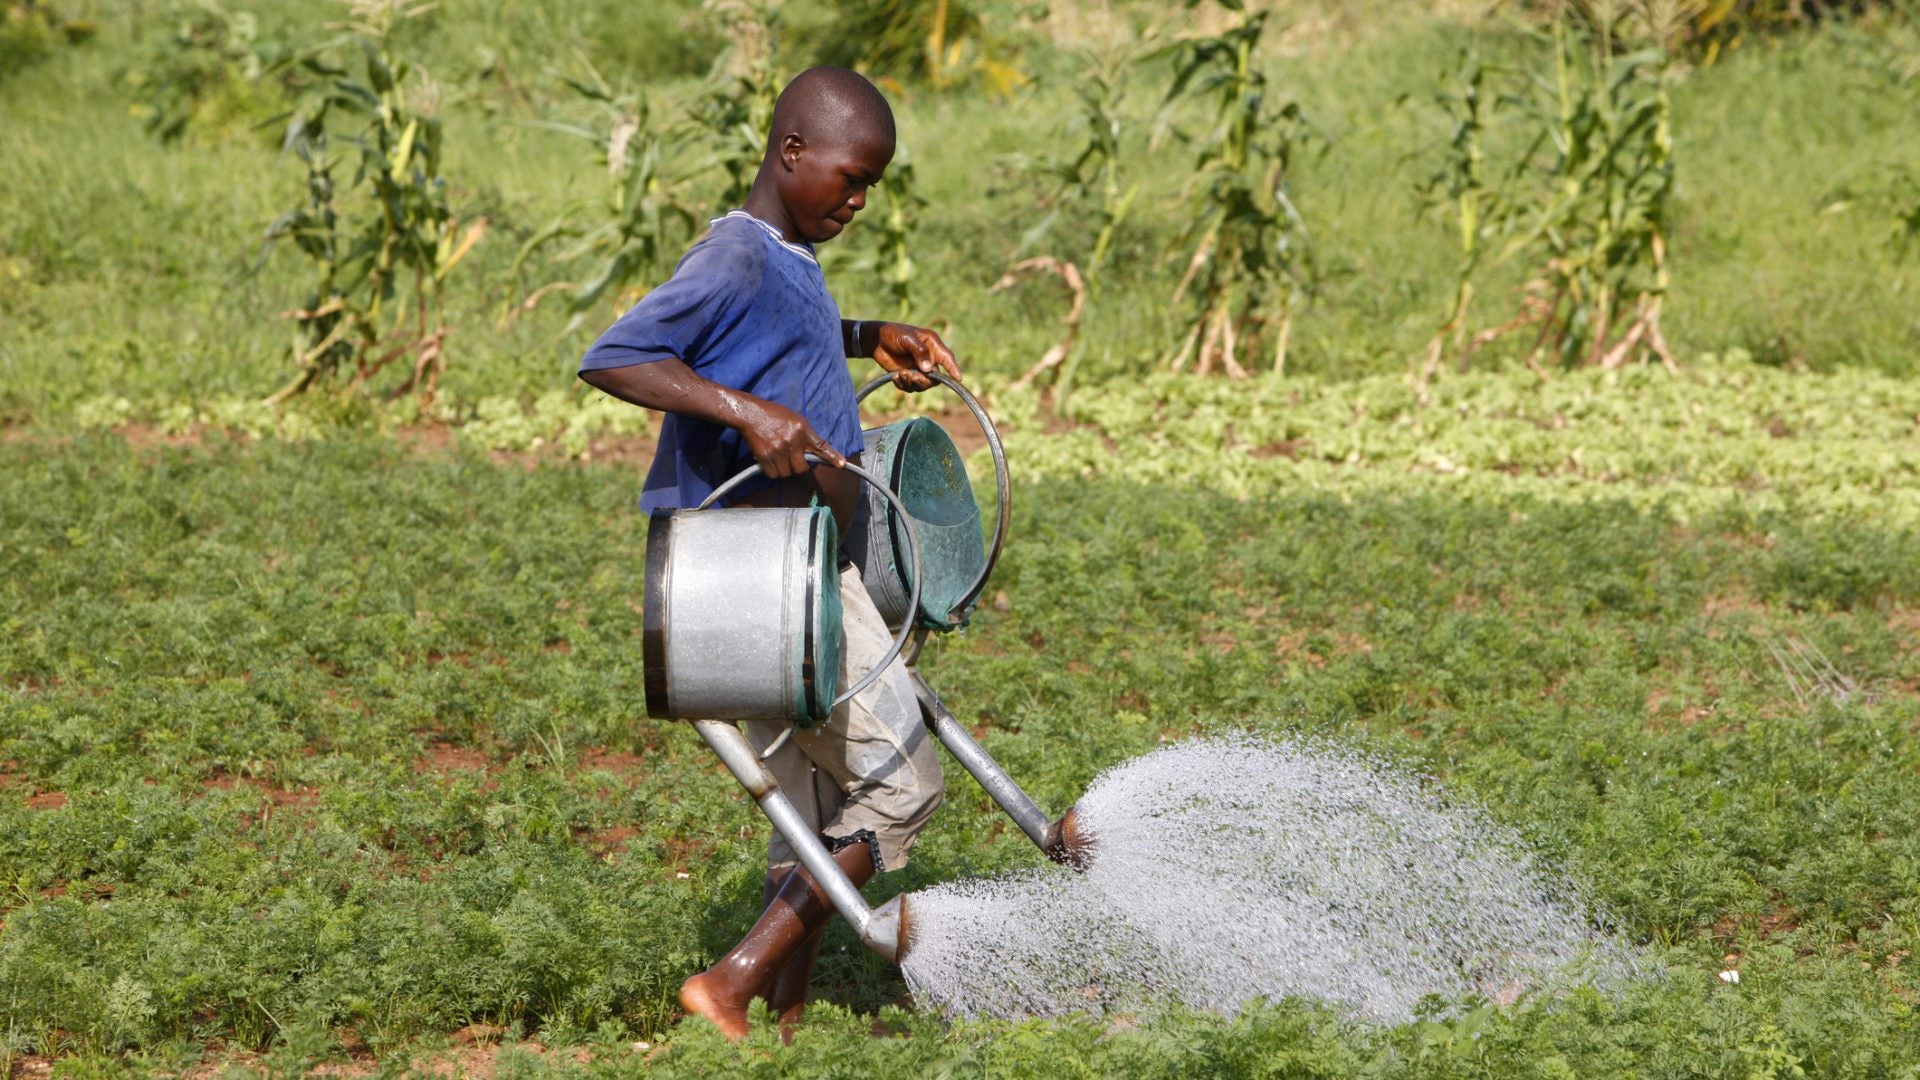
(1057, 425)
(474, 1056)
(610, 841)
(47, 800)
(1732, 602)
(617, 762)
(1293, 646)
(297, 798)
(1291, 449)
(1220, 641)
(1693, 714)
(447, 758)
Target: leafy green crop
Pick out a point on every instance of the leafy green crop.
(347, 749)
(1730, 433)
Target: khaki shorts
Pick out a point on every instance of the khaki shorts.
(870, 771)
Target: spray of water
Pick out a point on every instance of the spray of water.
(1239, 868)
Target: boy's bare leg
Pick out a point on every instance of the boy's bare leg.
(787, 998)
(798, 911)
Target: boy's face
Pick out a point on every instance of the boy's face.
(826, 181)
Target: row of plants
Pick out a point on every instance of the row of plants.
(263, 792)
(1561, 170)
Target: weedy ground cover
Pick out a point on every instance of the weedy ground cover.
(332, 745)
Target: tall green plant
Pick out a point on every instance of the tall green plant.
(1251, 265)
(1459, 187)
(735, 110)
(662, 159)
(1585, 205)
(648, 214)
(1590, 205)
(1087, 183)
(882, 244)
(382, 244)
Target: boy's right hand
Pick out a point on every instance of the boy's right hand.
(779, 439)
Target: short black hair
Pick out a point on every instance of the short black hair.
(823, 102)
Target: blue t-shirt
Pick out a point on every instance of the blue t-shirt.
(750, 311)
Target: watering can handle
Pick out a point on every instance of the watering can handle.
(1002, 480)
(913, 546)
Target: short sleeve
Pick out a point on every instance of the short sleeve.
(710, 292)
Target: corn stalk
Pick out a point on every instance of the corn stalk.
(887, 253)
(1091, 180)
(1589, 206)
(382, 247)
(646, 218)
(1090, 183)
(656, 157)
(1056, 356)
(1459, 186)
(1250, 264)
(734, 111)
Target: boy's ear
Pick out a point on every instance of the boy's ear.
(791, 147)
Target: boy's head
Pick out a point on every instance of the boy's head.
(832, 138)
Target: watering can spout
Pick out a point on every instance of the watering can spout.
(889, 930)
(1067, 843)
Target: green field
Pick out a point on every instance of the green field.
(320, 735)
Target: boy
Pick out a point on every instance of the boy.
(745, 351)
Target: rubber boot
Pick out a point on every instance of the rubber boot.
(798, 911)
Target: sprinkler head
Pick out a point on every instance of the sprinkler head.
(889, 931)
(1066, 844)
(906, 932)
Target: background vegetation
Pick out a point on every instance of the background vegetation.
(318, 739)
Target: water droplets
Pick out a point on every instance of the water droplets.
(1239, 868)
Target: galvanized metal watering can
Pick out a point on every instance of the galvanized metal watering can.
(686, 564)
(742, 610)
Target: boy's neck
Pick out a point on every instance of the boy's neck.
(764, 203)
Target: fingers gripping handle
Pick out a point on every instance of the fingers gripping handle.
(913, 545)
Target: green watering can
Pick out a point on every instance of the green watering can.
(925, 473)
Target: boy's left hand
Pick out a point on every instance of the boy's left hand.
(911, 353)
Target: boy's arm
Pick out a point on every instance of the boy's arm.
(909, 352)
(777, 437)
